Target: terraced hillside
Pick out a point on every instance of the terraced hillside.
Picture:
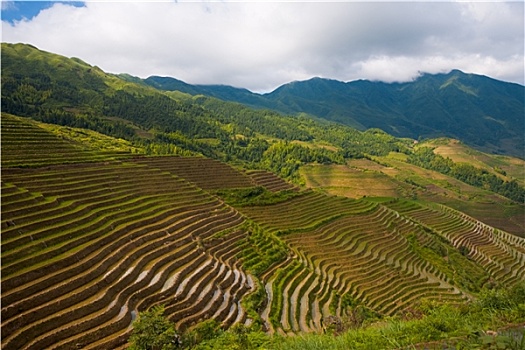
(206, 173)
(391, 176)
(25, 144)
(349, 252)
(345, 249)
(88, 245)
(270, 181)
(500, 253)
(85, 247)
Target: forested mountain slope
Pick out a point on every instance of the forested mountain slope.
(482, 112)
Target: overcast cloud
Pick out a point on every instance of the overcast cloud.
(260, 46)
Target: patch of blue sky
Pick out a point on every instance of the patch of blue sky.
(14, 11)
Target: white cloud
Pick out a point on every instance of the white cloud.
(262, 45)
(403, 68)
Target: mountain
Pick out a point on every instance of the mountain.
(223, 92)
(483, 112)
(118, 198)
(59, 90)
(69, 92)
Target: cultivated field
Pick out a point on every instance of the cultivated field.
(92, 238)
(393, 177)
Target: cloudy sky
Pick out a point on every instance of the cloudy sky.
(261, 45)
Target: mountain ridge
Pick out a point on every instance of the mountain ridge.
(481, 111)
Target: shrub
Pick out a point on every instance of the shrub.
(203, 332)
(153, 331)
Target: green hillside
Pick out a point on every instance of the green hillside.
(58, 90)
(69, 92)
(484, 113)
(243, 226)
(390, 176)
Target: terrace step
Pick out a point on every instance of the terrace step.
(42, 340)
(197, 170)
(270, 181)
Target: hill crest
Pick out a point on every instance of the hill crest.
(485, 113)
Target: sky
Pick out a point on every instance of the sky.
(262, 45)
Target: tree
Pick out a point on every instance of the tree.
(153, 331)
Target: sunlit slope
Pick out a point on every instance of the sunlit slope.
(356, 251)
(508, 168)
(394, 177)
(26, 143)
(353, 182)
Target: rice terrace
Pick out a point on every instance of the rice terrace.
(124, 204)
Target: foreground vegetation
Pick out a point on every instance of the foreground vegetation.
(496, 320)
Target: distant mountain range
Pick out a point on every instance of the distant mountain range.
(483, 112)
(480, 111)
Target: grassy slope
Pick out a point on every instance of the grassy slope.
(495, 164)
(28, 143)
(392, 177)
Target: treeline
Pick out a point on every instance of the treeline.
(250, 122)
(284, 158)
(351, 142)
(101, 125)
(426, 158)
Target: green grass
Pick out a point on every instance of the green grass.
(261, 249)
